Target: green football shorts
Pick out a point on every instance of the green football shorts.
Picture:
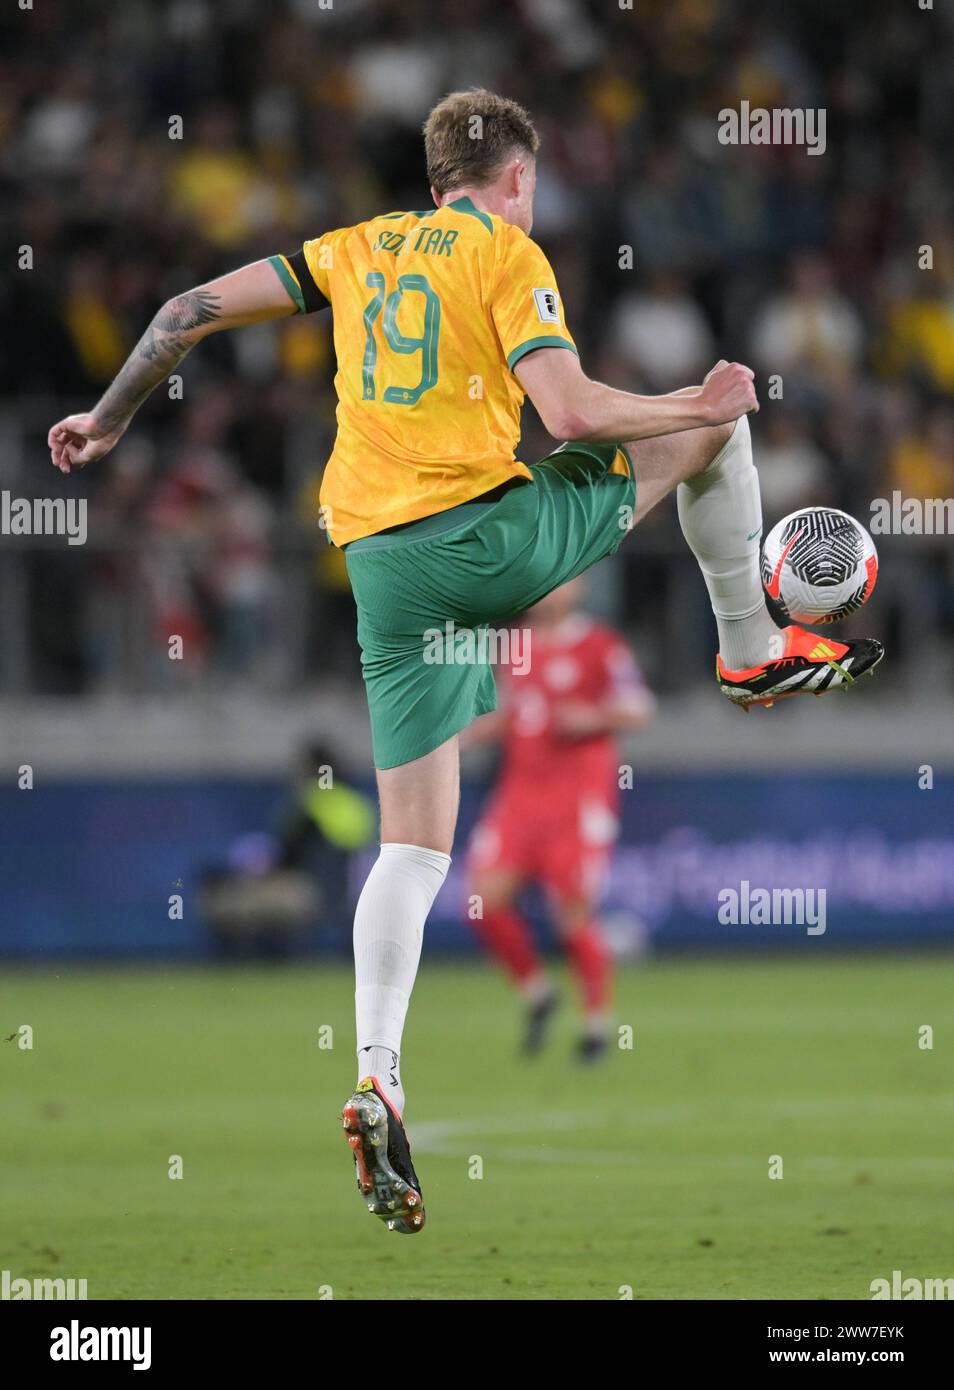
(427, 592)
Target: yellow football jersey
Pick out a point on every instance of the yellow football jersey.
(431, 312)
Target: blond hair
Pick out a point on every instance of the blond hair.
(469, 136)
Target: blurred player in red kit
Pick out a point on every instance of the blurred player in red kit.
(552, 816)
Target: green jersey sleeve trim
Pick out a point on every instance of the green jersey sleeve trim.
(298, 280)
(284, 272)
(533, 343)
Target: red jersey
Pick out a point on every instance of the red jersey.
(553, 815)
(581, 661)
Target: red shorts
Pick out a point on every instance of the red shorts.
(563, 843)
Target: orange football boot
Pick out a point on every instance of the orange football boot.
(807, 665)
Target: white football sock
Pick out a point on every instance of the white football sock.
(536, 988)
(720, 512)
(388, 932)
(384, 1064)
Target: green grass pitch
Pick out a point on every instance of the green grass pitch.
(650, 1173)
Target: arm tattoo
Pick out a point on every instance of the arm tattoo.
(164, 344)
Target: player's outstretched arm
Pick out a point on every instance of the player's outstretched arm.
(249, 295)
(572, 406)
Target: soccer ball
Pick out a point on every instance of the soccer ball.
(819, 565)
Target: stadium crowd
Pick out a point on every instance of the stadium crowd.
(147, 147)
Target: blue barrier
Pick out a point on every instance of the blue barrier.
(88, 868)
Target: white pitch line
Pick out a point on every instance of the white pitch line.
(444, 1139)
(426, 1132)
(593, 1160)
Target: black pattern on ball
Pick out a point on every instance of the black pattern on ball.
(828, 550)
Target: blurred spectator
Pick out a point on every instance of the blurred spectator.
(921, 463)
(663, 335)
(793, 471)
(809, 328)
(210, 569)
(214, 183)
(919, 334)
(297, 117)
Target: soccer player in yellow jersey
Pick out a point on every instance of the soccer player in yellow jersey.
(443, 321)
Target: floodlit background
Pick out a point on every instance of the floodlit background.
(160, 789)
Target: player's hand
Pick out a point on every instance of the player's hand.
(728, 393)
(78, 440)
(578, 719)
